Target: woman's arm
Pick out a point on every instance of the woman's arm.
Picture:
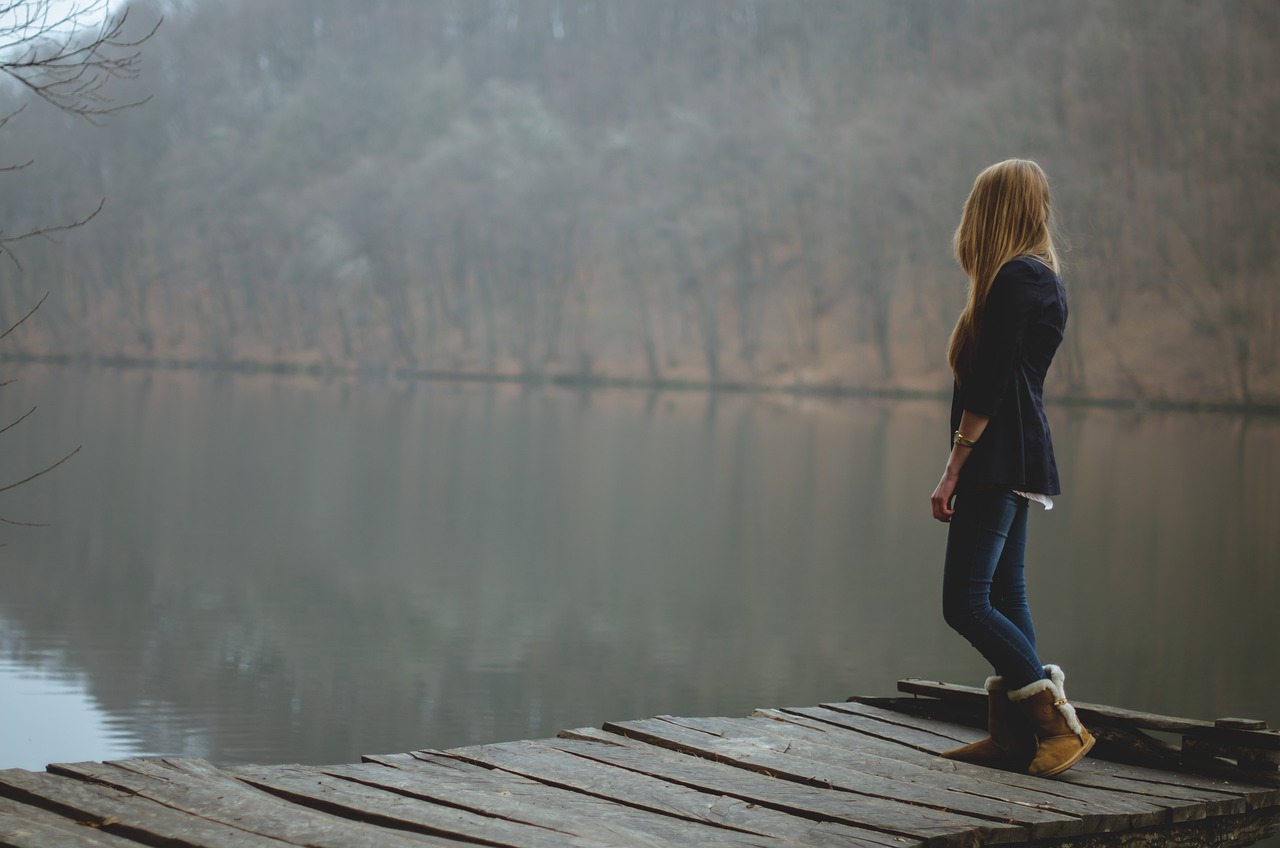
(972, 426)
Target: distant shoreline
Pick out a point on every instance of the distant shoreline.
(592, 381)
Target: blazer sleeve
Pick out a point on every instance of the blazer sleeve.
(1011, 305)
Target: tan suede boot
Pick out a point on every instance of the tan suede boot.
(1061, 739)
(1011, 743)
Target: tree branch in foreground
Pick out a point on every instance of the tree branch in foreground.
(66, 53)
(44, 232)
(41, 472)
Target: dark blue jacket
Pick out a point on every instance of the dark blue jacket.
(1021, 328)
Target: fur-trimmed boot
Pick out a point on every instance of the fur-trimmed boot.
(1011, 743)
(1061, 740)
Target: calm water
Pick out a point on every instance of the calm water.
(268, 569)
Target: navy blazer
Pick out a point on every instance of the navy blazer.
(1021, 328)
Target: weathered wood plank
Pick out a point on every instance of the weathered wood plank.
(1121, 810)
(943, 732)
(891, 778)
(196, 787)
(1186, 797)
(24, 826)
(1255, 794)
(1228, 734)
(715, 774)
(891, 728)
(645, 785)
(1123, 743)
(501, 793)
(1216, 792)
(1027, 800)
(124, 814)
(1221, 832)
(356, 793)
(710, 776)
(857, 774)
(1252, 759)
(933, 826)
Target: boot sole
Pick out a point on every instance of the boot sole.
(1059, 769)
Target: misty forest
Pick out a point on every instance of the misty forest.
(720, 191)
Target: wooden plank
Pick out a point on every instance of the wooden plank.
(1264, 762)
(1255, 794)
(501, 793)
(1120, 742)
(1134, 810)
(1029, 800)
(24, 826)
(932, 826)
(1100, 809)
(889, 728)
(711, 774)
(124, 814)
(653, 807)
(891, 778)
(644, 784)
(197, 787)
(1119, 780)
(1230, 733)
(1240, 829)
(1172, 793)
(358, 792)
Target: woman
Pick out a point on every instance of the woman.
(1001, 460)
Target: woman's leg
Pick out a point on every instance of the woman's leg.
(1008, 584)
(983, 524)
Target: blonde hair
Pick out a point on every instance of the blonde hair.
(1007, 214)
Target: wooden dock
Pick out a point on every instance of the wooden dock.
(861, 774)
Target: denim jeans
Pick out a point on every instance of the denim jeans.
(984, 594)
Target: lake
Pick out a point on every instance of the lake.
(264, 568)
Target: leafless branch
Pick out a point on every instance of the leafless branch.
(45, 232)
(66, 53)
(13, 424)
(40, 473)
(18, 323)
(20, 523)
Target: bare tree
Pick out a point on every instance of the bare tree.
(64, 53)
(9, 486)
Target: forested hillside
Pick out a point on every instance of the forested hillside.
(706, 190)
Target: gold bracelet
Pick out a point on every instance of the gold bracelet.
(960, 440)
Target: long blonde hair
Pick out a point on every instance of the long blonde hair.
(1007, 214)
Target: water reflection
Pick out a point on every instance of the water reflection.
(260, 569)
(46, 711)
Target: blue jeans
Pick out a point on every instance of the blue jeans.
(984, 594)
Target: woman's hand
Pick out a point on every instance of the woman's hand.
(941, 500)
(973, 425)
